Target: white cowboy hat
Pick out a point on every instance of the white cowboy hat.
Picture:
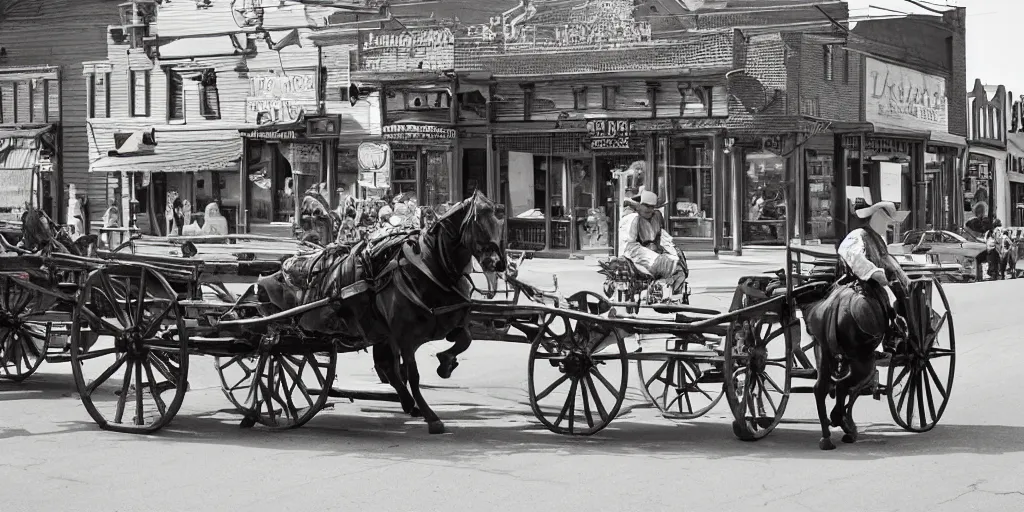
(648, 198)
(886, 208)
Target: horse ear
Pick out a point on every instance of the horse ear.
(500, 211)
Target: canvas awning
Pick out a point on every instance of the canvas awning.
(174, 151)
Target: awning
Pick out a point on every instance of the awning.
(175, 151)
(24, 132)
(947, 139)
(998, 154)
(1016, 177)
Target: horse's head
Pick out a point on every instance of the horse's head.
(36, 229)
(485, 232)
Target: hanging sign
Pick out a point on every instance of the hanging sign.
(373, 156)
(609, 133)
(407, 50)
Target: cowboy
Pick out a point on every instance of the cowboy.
(644, 240)
(864, 257)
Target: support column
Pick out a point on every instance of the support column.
(718, 191)
(736, 202)
(329, 157)
(242, 217)
(493, 173)
(840, 206)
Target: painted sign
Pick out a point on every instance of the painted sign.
(304, 158)
(373, 156)
(417, 132)
(408, 50)
(594, 23)
(280, 98)
(899, 97)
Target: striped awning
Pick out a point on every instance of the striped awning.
(177, 151)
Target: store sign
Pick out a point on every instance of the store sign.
(409, 132)
(280, 99)
(408, 50)
(899, 97)
(598, 23)
(609, 133)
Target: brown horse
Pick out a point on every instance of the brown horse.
(398, 292)
(40, 234)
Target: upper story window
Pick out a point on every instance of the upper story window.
(175, 96)
(829, 63)
(99, 94)
(209, 97)
(138, 93)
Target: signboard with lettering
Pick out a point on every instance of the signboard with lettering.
(609, 133)
(417, 132)
(280, 99)
(899, 97)
(430, 49)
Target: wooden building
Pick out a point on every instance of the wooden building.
(229, 105)
(43, 141)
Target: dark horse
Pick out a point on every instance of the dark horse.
(397, 292)
(40, 234)
(852, 317)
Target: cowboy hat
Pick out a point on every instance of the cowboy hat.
(886, 208)
(648, 198)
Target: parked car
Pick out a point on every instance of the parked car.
(948, 247)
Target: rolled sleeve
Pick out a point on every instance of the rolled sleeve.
(854, 252)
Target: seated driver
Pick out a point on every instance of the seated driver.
(644, 240)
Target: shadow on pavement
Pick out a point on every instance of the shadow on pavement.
(478, 432)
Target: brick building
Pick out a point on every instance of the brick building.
(43, 140)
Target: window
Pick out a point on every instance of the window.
(579, 98)
(846, 66)
(175, 96)
(829, 59)
(608, 97)
(209, 97)
(138, 93)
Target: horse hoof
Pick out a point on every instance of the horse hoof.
(447, 366)
(435, 427)
(826, 444)
(247, 422)
(849, 438)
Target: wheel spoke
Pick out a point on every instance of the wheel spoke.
(94, 321)
(906, 391)
(157, 320)
(767, 395)
(138, 392)
(160, 405)
(97, 353)
(297, 379)
(122, 399)
(91, 388)
(287, 404)
(547, 391)
(910, 403)
(141, 307)
(656, 374)
(899, 378)
(569, 407)
(586, 407)
(925, 378)
(109, 291)
(935, 378)
(920, 399)
(601, 411)
(608, 385)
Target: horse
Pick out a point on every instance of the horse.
(842, 317)
(40, 234)
(396, 292)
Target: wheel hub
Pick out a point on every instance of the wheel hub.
(576, 364)
(758, 359)
(8, 321)
(130, 341)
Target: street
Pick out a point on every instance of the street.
(496, 456)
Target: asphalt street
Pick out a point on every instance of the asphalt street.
(368, 456)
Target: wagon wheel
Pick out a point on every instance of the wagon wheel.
(139, 336)
(588, 358)
(921, 372)
(758, 372)
(278, 389)
(22, 343)
(681, 388)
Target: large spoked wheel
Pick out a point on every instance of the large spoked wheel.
(682, 386)
(278, 390)
(758, 372)
(129, 350)
(22, 343)
(921, 372)
(578, 373)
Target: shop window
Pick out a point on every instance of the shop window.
(579, 98)
(818, 198)
(175, 96)
(474, 171)
(764, 199)
(138, 93)
(403, 178)
(524, 184)
(437, 180)
(608, 98)
(691, 210)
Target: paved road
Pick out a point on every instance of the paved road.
(367, 456)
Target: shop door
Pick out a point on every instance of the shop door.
(619, 177)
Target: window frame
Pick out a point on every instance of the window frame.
(829, 59)
(133, 93)
(203, 112)
(170, 74)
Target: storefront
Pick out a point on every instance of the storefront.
(981, 190)
(1015, 178)
(28, 158)
(422, 162)
(151, 168)
(762, 175)
(282, 163)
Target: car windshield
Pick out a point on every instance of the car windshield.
(966, 236)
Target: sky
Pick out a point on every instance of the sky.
(993, 30)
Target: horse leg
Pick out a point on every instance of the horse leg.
(836, 418)
(850, 432)
(448, 360)
(387, 361)
(434, 424)
(821, 386)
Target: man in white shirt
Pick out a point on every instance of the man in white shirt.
(644, 240)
